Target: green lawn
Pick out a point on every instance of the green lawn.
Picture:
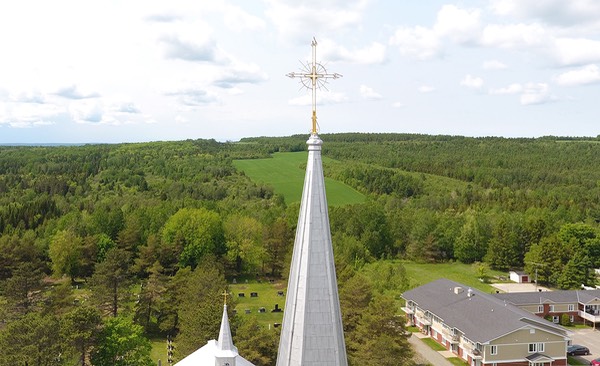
(159, 351)
(267, 298)
(422, 273)
(574, 361)
(433, 344)
(457, 361)
(285, 173)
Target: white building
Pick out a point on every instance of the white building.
(219, 352)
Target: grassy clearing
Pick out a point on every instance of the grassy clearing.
(267, 298)
(422, 273)
(285, 173)
(159, 350)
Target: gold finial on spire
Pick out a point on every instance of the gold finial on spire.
(224, 294)
(313, 76)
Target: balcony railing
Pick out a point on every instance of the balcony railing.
(588, 316)
(407, 310)
(450, 336)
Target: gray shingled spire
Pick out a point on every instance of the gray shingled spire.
(312, 333)
(225, 341)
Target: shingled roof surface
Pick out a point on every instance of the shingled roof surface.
(481, 317)
(548, 297)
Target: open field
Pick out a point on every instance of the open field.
(267, 298)
(422, 273)
(285, 173)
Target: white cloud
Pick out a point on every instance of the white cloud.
(323, 98)
(511, 89)
(536, 93)
(452, 23)
(372, 54)
(74, 92)
(576, 51)
(293, 18)
(87, 111)
(556, 12)
(26, 115)
(418, 42)
(193, 96)
(514, 35)
(472, 82)
(369, 94)
(179, 46)
(459, 25)
(426, 89)
(239, 73)
(30, 96)
(589, 74)
(238, 20)
(494, 65)
(397, 104)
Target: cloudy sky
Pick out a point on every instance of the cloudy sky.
(118, 71)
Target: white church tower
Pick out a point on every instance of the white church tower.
(312, 332)
(221, 352)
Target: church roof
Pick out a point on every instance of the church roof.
(312, 333)
(206, 356)
(222, 348)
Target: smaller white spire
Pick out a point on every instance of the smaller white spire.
(225, 341)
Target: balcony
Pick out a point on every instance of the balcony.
(422, 318)
(590, 317)
(451, 336)
(407, 310)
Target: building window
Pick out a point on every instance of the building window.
(571, 318)
(540, 308)
(555, 319)
(493, 350)
(571, 307)
(536, 347)
(551, 308)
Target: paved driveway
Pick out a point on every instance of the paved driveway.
(589, 338)
(434, 357)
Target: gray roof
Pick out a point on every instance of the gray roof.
(312, 332)
(481, 317)
(531, 298)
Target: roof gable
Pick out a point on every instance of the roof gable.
(481, 317)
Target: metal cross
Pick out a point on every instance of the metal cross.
(225, 297)
(312, 76)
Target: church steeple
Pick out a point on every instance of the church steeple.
(312, 333)
(225, 341)
(219, 352)
(226, 351)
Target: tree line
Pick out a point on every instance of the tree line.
(133, 241)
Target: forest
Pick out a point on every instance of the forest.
(104, 247)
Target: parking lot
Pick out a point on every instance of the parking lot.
(591, 339)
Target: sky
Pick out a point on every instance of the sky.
(113, 71)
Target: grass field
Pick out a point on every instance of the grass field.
(267, 298)
(422, 273)
(285, 173)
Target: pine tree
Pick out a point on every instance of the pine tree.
(200, 309)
